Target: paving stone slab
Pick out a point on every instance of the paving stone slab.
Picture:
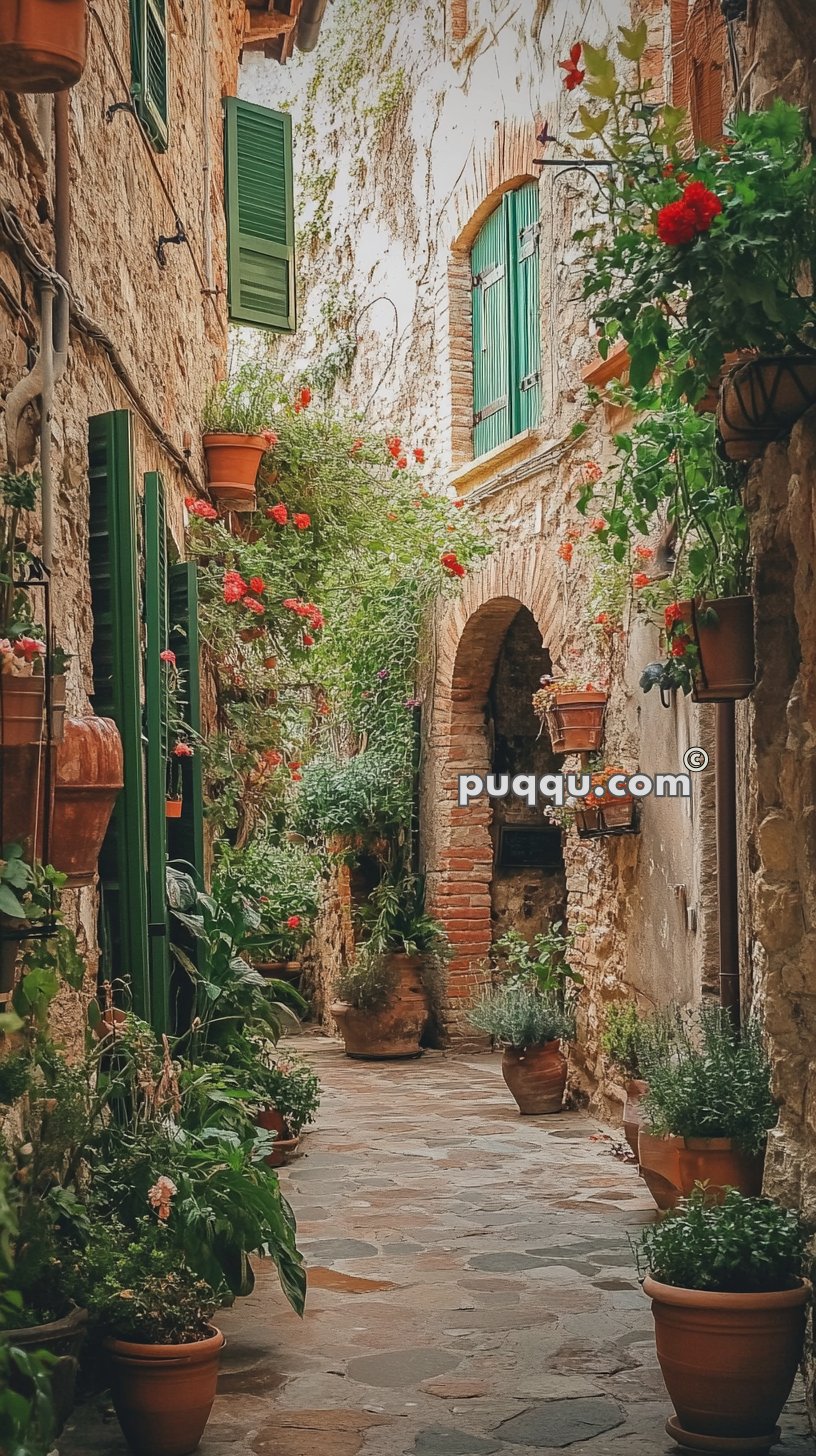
(439, 1441)
(397, 1368)
(558, 1423)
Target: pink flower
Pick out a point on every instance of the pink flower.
(168, 656)
(201, 508)
(161, 1195)
(302, 521)
(182, 750)
(28, 648)
(235, 588)
(270, 437)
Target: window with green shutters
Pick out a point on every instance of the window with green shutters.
(506, 326)
(150, 67)
(259, 204)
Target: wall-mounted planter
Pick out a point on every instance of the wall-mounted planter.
(710, 401)
(43, 44)
(172, 808)
(576, 721)
(89, 776)
(232, 469)
(761, 400)
(394, 1031)
(605, 818)
(724, 633)
(21, 710)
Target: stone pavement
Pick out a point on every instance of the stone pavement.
(471, 1286)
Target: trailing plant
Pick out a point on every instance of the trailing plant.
(368, 794)
(521, 1016)
(740, 1246)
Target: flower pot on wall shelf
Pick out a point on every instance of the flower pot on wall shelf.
(536, 1077)
(606, 818)
(89, 777)
(729, 1362)
(22, 700)
(576, 721)
(232, 469)
(395, 1030)
(43, 44)
(720, 1165)
(762, 399)
(163, 1394)
(724, 633)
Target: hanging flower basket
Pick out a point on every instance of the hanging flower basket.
(232, 468)
(724, 633)
(761, 400)
(43, 44)
(89, 776)
(574, 717)
(172, 808)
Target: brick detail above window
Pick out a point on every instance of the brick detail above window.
(698, 57)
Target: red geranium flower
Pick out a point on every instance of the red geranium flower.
(458, 504)
(679, 647)
(308, 639)
(598, 524)
(304, 398)
(356, 447)
(182, 750)
(235, 588)
(672, 614)
(602, 618)
(393, 445)
(676, 224)
(644, 553)
(419, 456)
(272, 758)
(278, 513)
(270, 438)
(565, 551)
(293, 922)
(257, 584)
(202, 509)
(253, 606)
(302, 521)
(704, 204)
(168, 656)
(640, 579)
(402, 463)
(574, 75)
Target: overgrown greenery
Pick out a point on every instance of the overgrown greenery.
(741, 1246)
(635, 1041)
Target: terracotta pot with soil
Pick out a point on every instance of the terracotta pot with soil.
(89, 777)
(43, 44)
(536, 1077)
(163, 1394)
(762, 399)
(726, 643)
(62, 1338)
(395, 1030)
(576, 721)
(285, 1144)
(721, 1165)
(232, 468)
(636, 1090)
(729, 1362)
(659, 1159)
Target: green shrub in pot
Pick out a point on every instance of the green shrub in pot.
(742, 1245)
(519, 1016)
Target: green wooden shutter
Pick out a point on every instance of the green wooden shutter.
(150, 66)
(491, 335)
(525, 317)
(114, 574)
(186, 835)
(259, 203)
(157, 748)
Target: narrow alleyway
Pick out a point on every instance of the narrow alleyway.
(472, 1288)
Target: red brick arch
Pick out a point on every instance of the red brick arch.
(457, 847)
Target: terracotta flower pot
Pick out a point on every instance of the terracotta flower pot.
(576, 721)
(22, 700)
(729, 1362)
(89, 777)
(659, 1159)
(63, 1339)
(394, 1031)
(23, 810)
(762, 399)
(536, 1077)
(163, 1394)
(43, 44)
(711, 399)
(717, 1162)
(602, 818)
(633, 1111)
(285, 1145)
(173, 808)
(726, 645)
(232, 468)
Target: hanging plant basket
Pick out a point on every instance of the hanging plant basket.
(232, 469)
(576, 721)
(761, 400)
(724, 633)
(606, 817)
(172, 808)
(709, 403)
(43, 44)
(89, 776)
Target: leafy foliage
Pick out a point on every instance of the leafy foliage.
(137, 1286)
(395, 919)
(742, 1246)
(636, 1042)
(521, 1016)
(715, 1084)
(243, 404)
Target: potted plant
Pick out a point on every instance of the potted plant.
(291, 1093)
(714, 1094)
(531, 1027)
(43, 44)
(236, 420)
(729, 1306)
(574, 715)
(605, 812)
(386, 993)
(282, 882)
(154, 1315)
(626, 1039)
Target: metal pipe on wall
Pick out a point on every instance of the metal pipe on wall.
(727, 868)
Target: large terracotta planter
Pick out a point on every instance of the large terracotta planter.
(536, 1077)
(63, 1339)
(575, 721)
(396, 1030)
(726, 645)
(285, 1145)
(659, 1159)
(89, 777)
(762, 399)
(719, 1164)
(22, 700)
(232, 468)
(633, 1111)
(43, 44)
(729, 1362)
(163, 1394)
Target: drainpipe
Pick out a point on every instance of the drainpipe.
(206, 219)
(727, 882)
(309, 23)
(54, 315)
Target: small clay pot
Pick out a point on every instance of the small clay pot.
(232, 468)
(22, 700)
(536, 1077)
(576, 722)
(726, 670)
(172, 808)
(285, 1145)
(396, 1030)
(633, 1111)
(659, 1159)
(720, 1165)
(729, 1362)
(163, 1394)
(43, 44)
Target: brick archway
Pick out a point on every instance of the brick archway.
(457, 846)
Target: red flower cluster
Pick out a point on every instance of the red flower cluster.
(682, 221)
(302, 521)
(565, 551)
(451, 564)
(574, 75)
(303, 400)
(278, 513)
(640, 578)
(235, 588)
(356, 447)
(419, 455)
(672, 614)
(597, 524)
(168, 656)
(307, 610)
(679, 646)
(644, 553)
(270, 438)
(293, 922)
(200, 508)
(182, 750)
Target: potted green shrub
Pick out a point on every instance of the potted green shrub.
(729, 1306)
(714, 1094)
(530, 1025)
(236, 420)
(291, 1096)
(282, 884)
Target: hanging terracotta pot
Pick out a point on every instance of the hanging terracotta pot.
(605, 817)
(726, 645)
(394, 1031)
(762, 399)
(659, 1159)
(576, 721)
(89, 776)
(719, 1164)
(729, 1362)
(22, 700)
(636, 1090)
(43, 44)
(536, 1077)
(232, 468)
(173, 808)
(285, 1145)
(163, 1394)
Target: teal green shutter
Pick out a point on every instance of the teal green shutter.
(186, 835)
(491, 335)
(150, 66)
(114, 574)
(523, 209)
(157, 747)
(259, 204)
